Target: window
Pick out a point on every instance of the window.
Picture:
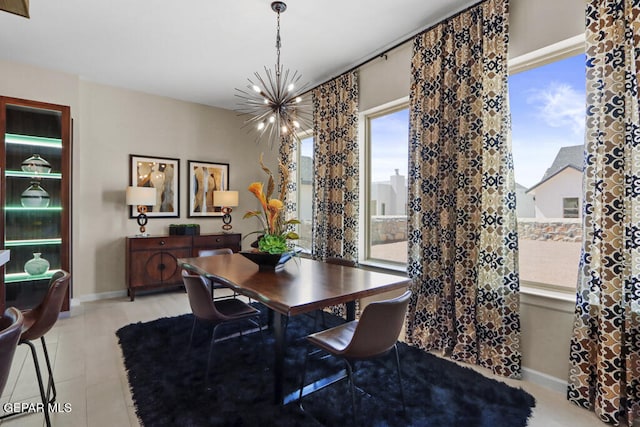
(570, 207)
(305, 191)
(548, 115)
(387, 152)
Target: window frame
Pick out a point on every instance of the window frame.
(365, 184)
(546, 55)
(302, 135)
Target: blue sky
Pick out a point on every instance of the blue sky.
(547, 112)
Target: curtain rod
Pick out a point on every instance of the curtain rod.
(398, 44)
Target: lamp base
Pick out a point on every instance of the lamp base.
(142, 221)
(226, 219)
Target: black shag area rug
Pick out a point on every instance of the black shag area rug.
(168, 388)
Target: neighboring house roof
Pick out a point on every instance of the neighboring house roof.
(552, 176)
(568, 157)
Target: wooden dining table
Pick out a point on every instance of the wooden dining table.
(304, 285)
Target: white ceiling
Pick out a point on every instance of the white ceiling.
(200, 50)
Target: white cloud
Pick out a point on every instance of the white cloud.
(560, 105)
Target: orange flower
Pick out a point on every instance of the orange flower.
(275, 232)
(257, 189)
(273, 207)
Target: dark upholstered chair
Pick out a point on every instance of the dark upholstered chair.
(10, 330)
(216, 285)
(37, 322)
(215, 313)
(374, 335)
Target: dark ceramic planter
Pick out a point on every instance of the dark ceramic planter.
(267, 261)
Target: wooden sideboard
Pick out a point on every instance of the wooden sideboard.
(152, 262)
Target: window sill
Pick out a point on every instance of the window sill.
(384, 266)
(548, 297)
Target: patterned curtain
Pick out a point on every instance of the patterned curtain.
(288, 154)
(605, 347)
(336, 169)
(463, 248)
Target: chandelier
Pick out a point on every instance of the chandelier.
(274, 102)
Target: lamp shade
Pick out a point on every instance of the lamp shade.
(225, 198)
(141, 196)
(17, 7)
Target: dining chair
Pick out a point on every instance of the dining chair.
(215, 313)
(10, 330)
(37, 322)
(217, 285)
(374, 335)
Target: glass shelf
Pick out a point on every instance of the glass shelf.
(22, 174)
(11, 138)
(24, 277)
(24, 209)
(31, 242)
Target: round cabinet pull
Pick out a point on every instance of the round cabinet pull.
(162, 242)
(218, 239)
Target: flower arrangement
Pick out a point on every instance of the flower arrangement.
(275, 232)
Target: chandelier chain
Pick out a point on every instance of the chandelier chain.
(278, 44)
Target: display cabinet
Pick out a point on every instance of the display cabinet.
(35, 197)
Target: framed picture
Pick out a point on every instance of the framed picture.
(161, 173)
(204, 179)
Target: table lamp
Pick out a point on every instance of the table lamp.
(226, 200)
(141, 197)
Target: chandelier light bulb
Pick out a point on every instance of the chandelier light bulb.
(261, 125)
(272, 119)
(296, 124)
(291, 87)
(256, 88)
(298, 99)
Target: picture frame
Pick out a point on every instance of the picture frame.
(163, 173)
(204, 179)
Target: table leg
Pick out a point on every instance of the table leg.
(351, 311)
(278, 368)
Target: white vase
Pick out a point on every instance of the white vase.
(36, 265)
(35, 196)
(36, 164)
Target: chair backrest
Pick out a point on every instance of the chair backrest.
(341, 261)
(219, 251)
(44, 316)
(200, 300)
(378, 328)
(10, 330)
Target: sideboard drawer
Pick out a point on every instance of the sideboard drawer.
(216, 241)
(148, 243)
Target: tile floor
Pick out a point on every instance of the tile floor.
(90, 374)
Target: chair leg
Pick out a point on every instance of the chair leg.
(193, 329)
(40, 384)
(404, 406)
(353, 392)
(304, 373)
(51, 385)
(213, 341)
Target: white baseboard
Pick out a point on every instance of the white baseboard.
(545, 380)
(99, 296)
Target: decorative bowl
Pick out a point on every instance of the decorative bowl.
(267, 261)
